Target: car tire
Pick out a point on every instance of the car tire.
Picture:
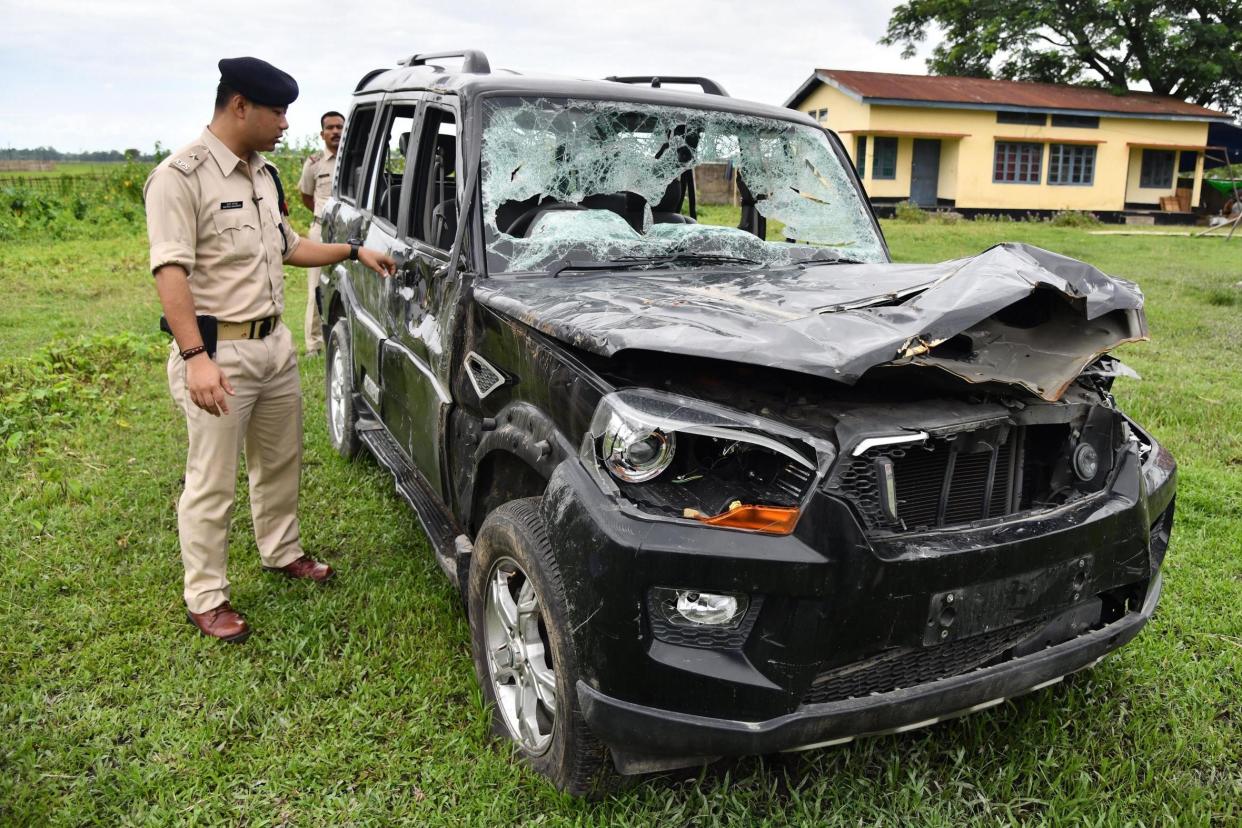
(339, 405)
(513, 557)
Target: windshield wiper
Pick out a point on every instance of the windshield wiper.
(633, 262)
(712, 258)
(619, 263)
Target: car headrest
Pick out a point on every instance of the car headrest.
(671, 202)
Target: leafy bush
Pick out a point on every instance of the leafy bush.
(105, 205)
(66, 382)
(905, 211)
(1074, 218)
(91, 206)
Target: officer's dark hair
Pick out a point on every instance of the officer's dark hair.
(331, 113)
(224, 93)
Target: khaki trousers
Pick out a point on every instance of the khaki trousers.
(314, 333)
(265, 418)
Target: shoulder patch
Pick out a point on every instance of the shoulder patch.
(188, 160)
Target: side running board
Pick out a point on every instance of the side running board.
(451, 546)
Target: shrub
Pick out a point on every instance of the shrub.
(1074, 218)
(63, 382)
(907, 212)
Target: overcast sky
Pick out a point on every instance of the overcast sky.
(111, 74)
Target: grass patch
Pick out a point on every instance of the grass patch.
(356, 704)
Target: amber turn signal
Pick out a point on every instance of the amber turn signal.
(774, 520)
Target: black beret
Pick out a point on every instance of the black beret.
(259, 81)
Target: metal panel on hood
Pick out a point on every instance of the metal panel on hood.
(966, 316)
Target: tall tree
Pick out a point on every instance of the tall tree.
(1191, 50)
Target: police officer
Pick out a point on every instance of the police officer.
(315, 186)
(218, 236)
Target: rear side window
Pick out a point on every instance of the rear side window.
(350, 172)
(433, 218)
(394, 149)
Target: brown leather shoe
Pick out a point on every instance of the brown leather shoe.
(304, 567)
(221, 622)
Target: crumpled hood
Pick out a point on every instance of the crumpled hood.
(839, 320)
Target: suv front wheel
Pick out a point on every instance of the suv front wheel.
(523, 655)
(342, 418)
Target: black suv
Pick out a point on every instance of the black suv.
(706, 494)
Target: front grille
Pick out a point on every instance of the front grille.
(911, 667)
(947, 482)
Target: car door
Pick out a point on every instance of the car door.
(415, 361)
(388, 198)
(349, 216)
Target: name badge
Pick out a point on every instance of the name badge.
(230, 205)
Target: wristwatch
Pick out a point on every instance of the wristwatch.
(354, 244)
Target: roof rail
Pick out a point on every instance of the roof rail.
(367, 78)
(473, 61)
(706, 84)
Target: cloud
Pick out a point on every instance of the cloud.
(130, 72)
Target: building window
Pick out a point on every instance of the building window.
(1017, 162)
(860, 155)
(1071, 164)
(820, 115)
(1024, 118)
(1157, 170)
(1080, 121)
(884, 163)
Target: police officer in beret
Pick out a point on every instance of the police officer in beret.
(219, 235)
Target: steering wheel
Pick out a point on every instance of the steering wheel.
(520, 225)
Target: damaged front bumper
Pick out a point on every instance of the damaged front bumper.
(847, 633)
(648, 734)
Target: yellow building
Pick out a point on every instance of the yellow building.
(995, 146)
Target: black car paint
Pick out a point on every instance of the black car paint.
(831, 593)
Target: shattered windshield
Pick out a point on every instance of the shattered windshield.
(589, 182)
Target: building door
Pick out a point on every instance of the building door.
(924, 172)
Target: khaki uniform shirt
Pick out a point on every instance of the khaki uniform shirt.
(316, 178)
(216, 216)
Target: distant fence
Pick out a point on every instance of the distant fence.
(55, 184)
(27, 166)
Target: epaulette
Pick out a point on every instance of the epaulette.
(315, 157)
(189, 160)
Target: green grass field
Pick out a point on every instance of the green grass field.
(356, 703)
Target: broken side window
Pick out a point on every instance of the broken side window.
(593, 181)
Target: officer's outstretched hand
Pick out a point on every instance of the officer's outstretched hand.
(208, 385)
(381, 263)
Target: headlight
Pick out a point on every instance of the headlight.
(1086, 462)
(635, 453)
(692, 607)
(671, 456)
